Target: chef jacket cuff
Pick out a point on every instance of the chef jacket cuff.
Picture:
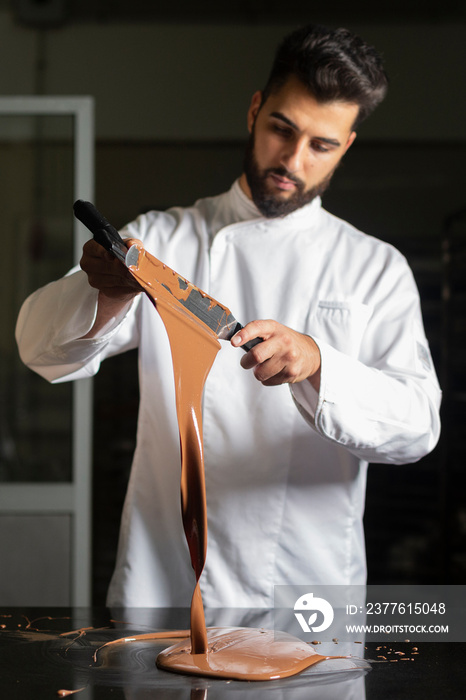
(306, 399)
(79, 305)
(74, 319)
(73, 349)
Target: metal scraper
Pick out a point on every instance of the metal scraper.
(205, 308)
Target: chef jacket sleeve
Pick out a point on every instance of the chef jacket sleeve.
(382, 401)
(53, 320)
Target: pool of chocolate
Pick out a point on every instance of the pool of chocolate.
(46, 653)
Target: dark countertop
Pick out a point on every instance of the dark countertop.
(43, 651)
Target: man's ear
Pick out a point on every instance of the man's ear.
(351, 139)
(254, 109)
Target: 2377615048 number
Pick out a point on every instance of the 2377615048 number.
(405, 608)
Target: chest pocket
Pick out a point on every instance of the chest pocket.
(341, 324)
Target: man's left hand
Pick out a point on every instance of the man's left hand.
(284, 357)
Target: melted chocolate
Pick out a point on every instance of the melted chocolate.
(65, 693)
(240, 653)
(194, 348)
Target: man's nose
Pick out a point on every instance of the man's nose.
(293, 155)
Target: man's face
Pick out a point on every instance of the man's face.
(295, 145)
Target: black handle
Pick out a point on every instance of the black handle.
(103, 232)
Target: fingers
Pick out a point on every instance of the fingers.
(284, 356)
(276, 362)
(106, 273)
(253, 330)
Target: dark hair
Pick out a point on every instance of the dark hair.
(334, 64)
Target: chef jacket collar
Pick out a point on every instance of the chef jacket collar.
(245, 210)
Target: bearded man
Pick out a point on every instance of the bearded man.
(342, 377)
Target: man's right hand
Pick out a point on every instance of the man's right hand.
(117, 287)
(107, 274)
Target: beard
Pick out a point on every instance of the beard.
(270, 205)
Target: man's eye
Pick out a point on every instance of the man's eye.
(319, 147)
(282, 130)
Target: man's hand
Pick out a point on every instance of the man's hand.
(284, 357)
(117, 287)
(107, 274)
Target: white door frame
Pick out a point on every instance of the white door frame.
(73, 498)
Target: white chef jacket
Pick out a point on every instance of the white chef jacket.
(285, 467)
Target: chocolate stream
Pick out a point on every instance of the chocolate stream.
(194, 348)
(241, 653)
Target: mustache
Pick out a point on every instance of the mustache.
(281, 171)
